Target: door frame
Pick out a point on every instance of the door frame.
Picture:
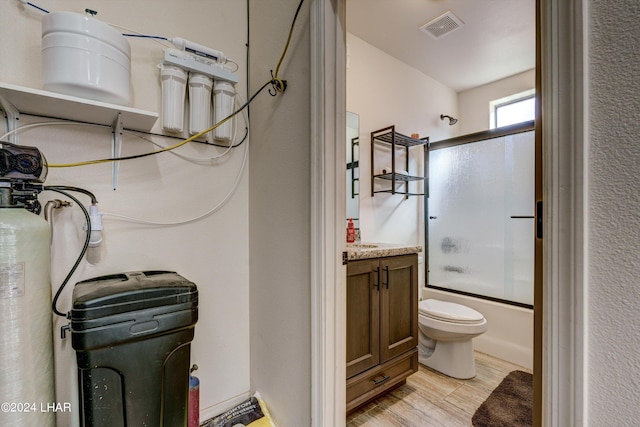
(560, 303)
(560, 379)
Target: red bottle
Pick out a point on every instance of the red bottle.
(351, 231)
(194, 399)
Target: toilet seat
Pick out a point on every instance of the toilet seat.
(449, 311)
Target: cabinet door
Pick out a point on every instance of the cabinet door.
(399, 305)
(363, 316)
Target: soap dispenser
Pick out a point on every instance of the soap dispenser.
(351, 231)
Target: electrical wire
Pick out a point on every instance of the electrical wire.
(211, 211)
(139, 156)
(54, 303)
(192, 158)
(277, 84)
(132, 132)
(173, 147)
(280, 85)
(212, 158)
(204, 215)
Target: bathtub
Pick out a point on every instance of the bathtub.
(510, 333)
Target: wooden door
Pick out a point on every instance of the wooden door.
(363, 316)
(399, 305)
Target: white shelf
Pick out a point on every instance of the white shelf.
(56, 105)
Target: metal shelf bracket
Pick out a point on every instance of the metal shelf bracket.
(11, 119)
(116, 148)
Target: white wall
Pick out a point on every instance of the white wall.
(614, 222)
(212, 252)
(279, 215)
(384, 91)
(473, 104)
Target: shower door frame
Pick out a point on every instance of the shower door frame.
(454, 142)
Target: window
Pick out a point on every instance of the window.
(514, 109)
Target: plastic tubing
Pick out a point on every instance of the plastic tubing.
(54, 303)
(144, 36)
(211, 211)
(33, 5)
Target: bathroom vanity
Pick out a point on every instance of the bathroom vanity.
(382, 319)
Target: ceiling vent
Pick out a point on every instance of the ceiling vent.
(442, 25)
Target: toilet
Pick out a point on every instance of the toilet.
(446, 330)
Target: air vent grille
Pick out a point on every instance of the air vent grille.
(442, 25)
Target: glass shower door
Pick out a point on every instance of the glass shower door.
(480, 218)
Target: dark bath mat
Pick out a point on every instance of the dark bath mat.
(509, 405)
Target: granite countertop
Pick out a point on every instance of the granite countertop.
(362, 250)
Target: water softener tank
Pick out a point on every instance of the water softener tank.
(26, 351)
(132, 334)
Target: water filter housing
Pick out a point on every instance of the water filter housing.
(174, 84)
(224, 94)
(200, 86)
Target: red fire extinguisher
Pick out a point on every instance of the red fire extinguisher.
(194, 399)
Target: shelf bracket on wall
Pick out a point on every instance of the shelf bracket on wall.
(11, 118)
(116, 148)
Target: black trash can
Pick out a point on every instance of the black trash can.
(132, 335)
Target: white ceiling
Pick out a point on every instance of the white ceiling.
(497, 39)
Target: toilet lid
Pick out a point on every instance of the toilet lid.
(449, 311)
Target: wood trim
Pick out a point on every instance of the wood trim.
(564, 90)
(328, 198)
(538, 263)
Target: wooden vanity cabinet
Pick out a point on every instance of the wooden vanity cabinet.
(382, 325)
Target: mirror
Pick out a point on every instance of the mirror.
(353, 169)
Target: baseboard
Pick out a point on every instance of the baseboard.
(223, 406)
(504, 350)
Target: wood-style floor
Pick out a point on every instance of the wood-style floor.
(432, 399)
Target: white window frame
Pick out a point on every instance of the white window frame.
(501, 102)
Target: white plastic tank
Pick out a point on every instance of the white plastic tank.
(84, 57)
(26, 348)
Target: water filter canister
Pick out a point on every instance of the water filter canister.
(174, 81)
(224, 94)
(199, 102)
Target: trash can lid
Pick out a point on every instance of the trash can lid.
(130, 291)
